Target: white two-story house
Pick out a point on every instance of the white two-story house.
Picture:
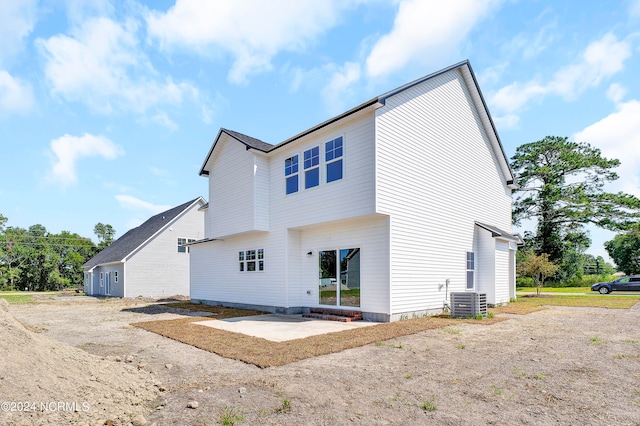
(384, 209)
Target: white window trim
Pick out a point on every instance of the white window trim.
(467, 270)
(286, 176)
(317, 166)
(260, 258)
(326, 163)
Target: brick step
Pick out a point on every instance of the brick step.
(333, 314)
(340, 318)
(337, 312)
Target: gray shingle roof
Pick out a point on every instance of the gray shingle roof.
(249, 141)
(134, 238)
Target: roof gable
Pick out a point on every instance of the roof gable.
(121, 248)
(470, 80)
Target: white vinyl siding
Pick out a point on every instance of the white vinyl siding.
(157, 269)
(502, 280)
(238, 178)
(280, 285)
(371, 236)
(436, 175)
(351, 196)
(486, 263)
(215, 275)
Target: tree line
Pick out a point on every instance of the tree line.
(562, 188)
(37, 260)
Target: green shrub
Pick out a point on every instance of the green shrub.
(583, 281)
(525, 282)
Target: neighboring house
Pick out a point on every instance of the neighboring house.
(384, 209)
(151, 260)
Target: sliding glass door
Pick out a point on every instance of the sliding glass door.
(339, 282)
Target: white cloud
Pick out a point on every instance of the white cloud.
(600, 60)
(252, 32)
(616, 92)
(336, 93)
(536, 37)
(163, 119)
(515, 96)
(102, 66)
(17, 18)
(15, 96)
(634, 8)
(132, 203)
(508, 121)
(67, 150)
(158, 172)
(424, 30)
(211, 109)
(618, 136)
(79, 11)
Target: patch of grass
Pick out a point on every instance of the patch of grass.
(496, 390)
(519, 373)
(429, 405)
(630, 341)
(620, 356)
(451, 330)
(539, 377)
(217, 311)
(595, 340)
(265, 353)
(285, 407)
(527, 304)
(230, 417)
(555, 289)
(16, 297)
(461, 346)
(408, 376)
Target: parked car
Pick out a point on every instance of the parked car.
(630, 283)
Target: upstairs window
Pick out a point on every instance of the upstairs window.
(333, 159)
(312, 167)
(291, 174)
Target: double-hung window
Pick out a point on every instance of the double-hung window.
(251, 260)
(333, 159)
(470, 270)
(291, 174)
(312, 167)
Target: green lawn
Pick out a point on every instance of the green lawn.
(578, 300)
(555, 289)
(16, 296)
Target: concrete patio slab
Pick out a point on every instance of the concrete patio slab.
(280, 328)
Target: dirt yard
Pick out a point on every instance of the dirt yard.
(556, 366)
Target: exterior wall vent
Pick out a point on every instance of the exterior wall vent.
(468, 304)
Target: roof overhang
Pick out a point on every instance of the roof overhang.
(501, 234)
(204, 240)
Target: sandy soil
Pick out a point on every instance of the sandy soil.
(556, 366)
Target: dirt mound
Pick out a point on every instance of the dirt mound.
(46, 382)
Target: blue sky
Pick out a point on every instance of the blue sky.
(108, 108)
